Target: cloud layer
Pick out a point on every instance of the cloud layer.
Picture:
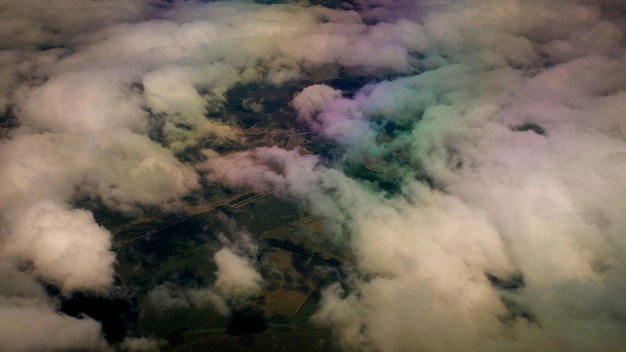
(497, 144)
(516, 242)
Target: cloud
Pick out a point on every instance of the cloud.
(65, 246)
(35, 327)
(236, 277)
(28, 24)
(142, 344)
(169, 297)
(164, 297)
(508, 185)
(30, 321)
(492, 216)
(237, 280)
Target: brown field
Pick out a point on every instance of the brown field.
(287, 293)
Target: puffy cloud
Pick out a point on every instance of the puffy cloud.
(169, 297)
(165, 297)
(35, 327)
(527, 176)
(132, 170)
(65, 246)
(29, 24)
(82, 103)
(502, 139)
(30, 321)
(137, 344)
(236, 277)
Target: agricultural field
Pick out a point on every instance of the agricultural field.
(165, 258)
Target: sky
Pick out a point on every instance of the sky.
(497, 128)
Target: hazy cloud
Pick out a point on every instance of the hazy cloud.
(140, 344)
(495, 218)
(236, 278)
(35, 327)
(30, 321)
(528, 181)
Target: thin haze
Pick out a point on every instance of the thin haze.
(500, 127)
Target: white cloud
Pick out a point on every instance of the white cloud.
(512, 111)
(237, 279)
(30, 321)
(65, 246)
(529, 177)
(35, 327)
